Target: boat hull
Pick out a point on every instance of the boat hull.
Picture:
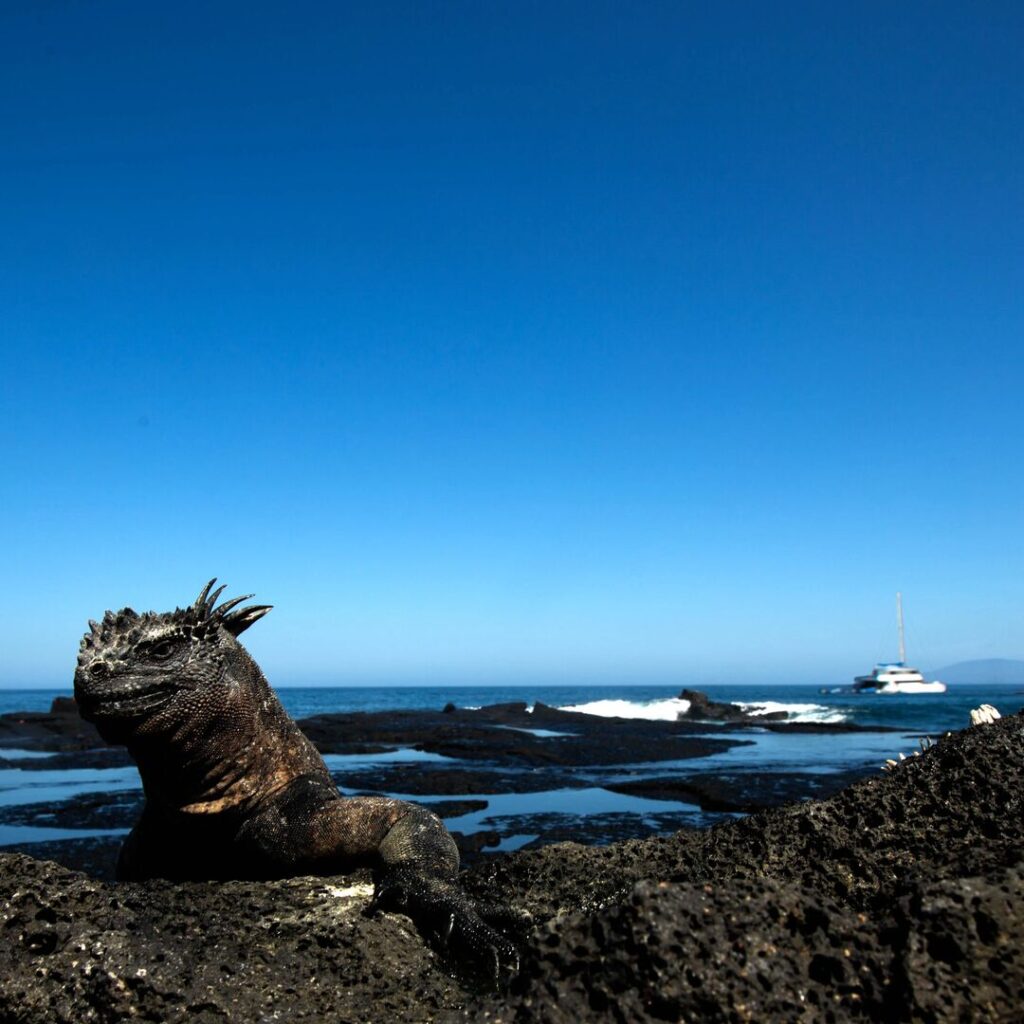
(895, 677)
(934, 687)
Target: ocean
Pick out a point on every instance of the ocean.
(912, 717)
(921, 713)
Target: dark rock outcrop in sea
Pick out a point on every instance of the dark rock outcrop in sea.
(899, 898)
(703, 709)
(59, 729)
(739, 791)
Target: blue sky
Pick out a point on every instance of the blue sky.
(516, 343)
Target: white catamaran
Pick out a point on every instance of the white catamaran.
(897, 676)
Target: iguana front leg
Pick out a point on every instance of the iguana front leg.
(416, 874)
(415, 863)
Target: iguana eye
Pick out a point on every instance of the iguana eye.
(162, 650)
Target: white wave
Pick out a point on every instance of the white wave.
(795, 712)
(659, 710)
(669, 709)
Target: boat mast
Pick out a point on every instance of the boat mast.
(899, 619)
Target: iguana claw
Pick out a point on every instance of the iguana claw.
(449, 920)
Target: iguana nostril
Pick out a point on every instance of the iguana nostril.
(98, 669)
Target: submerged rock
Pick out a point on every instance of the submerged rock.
(737, 791)
(414, 779)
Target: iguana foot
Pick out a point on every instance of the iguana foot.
(462, 931)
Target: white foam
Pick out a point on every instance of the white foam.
(669, 709)
(657, 710)
(795, 712)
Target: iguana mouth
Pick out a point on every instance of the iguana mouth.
(124, 703)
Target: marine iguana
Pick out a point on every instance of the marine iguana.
(235, 790)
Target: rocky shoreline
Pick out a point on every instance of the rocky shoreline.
(476, 755)
(898, 898)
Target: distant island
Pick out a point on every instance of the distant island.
(982, 670)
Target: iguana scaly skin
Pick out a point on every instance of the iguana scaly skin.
(235, 790)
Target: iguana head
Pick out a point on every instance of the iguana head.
(162, 672)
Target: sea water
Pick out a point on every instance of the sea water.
(912, 716)
(920, 713)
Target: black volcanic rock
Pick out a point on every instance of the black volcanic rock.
(454, 808)
(763, 950)
(64, 705)
(504, 734)
(953, 810)
(95, 856)
(298, 950)
(469, 845)
(900, 898)
(85, 811)
(60, 728)
(101, 757)
(552, 827)
(742, 791)
(414, 779)
(704, 709)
